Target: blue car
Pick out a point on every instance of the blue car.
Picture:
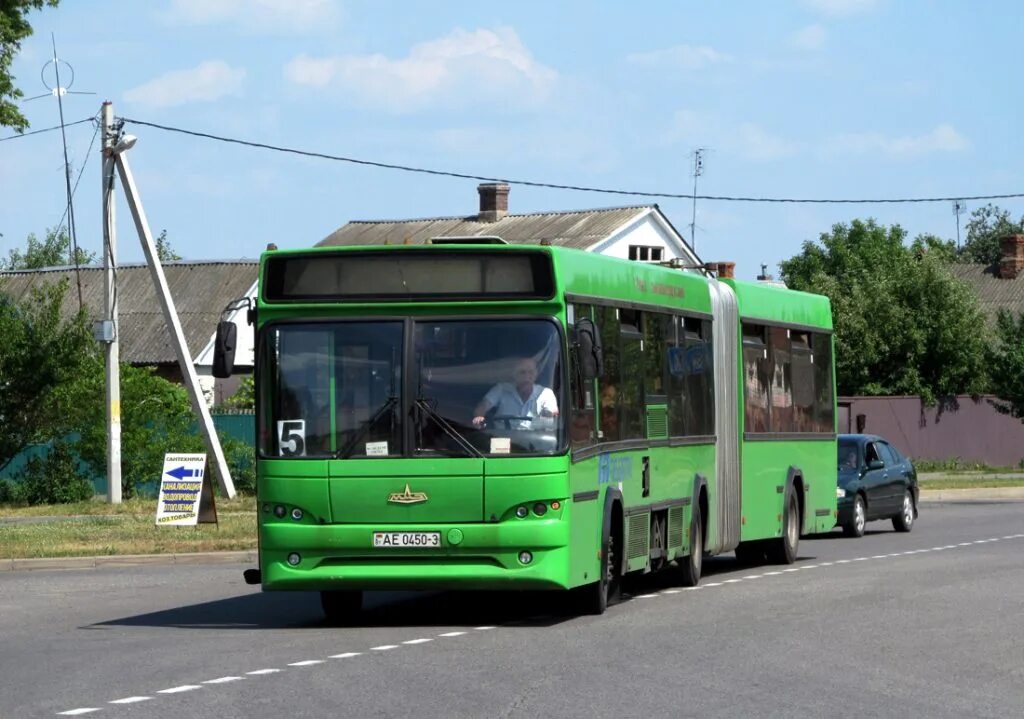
(875, 482)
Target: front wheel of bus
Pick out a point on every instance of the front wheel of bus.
(341, 607)
(783, 550)
(605, 591)
(689, 570)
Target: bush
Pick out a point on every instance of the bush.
(53, 479)
(241, 459)
(9, 492)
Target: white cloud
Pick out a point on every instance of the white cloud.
(276, 16)
(811, 37)
(460, 67)
(756, 144)
(684, 57)
(841, 8)
(943, 138)
(209, 81)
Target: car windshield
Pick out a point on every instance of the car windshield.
(478, 387)
(849, 456)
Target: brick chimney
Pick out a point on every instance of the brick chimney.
(725, 270)
(493, 201)
(1012, 262)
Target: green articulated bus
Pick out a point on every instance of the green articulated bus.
(479, 415)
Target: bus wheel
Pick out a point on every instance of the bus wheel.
(600, 594)
(783, 549)
(691, 567)
(341, 607)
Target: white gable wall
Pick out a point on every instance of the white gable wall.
(646, 229)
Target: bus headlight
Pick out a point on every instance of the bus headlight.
(294, 558)
(525, 557)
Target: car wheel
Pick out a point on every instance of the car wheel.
(903, 521)
(855, 527)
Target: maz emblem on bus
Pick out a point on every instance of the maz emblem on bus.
(407, 497)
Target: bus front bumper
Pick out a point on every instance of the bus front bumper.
(487, 556)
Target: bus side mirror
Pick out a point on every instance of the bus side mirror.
(224, 349)
(588, 343)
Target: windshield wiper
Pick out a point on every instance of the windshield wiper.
(424, 406)
(346, 451)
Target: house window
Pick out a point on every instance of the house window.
(645, 253)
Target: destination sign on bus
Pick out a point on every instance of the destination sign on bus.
(413, 274)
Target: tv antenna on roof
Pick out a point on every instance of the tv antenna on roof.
(58, 91)
(959, 208)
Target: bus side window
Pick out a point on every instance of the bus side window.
(631, 383)
(782, 378)
(824, 402)
(755, 378)
(803, 382)
(609, 428)
(582, 430)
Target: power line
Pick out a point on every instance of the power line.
(555, 186)
(88, 154)
(48, 129)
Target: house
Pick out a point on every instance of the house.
(200, 291)
(637, 232)
(999, 286)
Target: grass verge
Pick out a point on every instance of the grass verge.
(94, 528)
(982, 482)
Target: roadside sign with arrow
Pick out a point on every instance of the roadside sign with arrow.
(186, 495)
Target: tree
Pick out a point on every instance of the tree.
(52, 251)
(164, 251)
(14, 28)
(903, 324)
(39, 354)
(987, 226)
(1006, 364)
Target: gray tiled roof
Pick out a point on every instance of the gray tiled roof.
(579, 229)
(200, 291)
(993, 292)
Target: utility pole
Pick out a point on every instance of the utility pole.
(109, 331)
(119, 152)
(698, 170)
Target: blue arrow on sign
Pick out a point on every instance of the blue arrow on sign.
(181, 472)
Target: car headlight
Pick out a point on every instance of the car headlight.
(840, 492)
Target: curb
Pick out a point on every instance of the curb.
(981, 494)
(126, 560)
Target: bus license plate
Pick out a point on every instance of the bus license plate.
(405, 540)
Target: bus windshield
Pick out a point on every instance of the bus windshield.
(476, 388)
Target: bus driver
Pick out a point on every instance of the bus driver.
(522, 398)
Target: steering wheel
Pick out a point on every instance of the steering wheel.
(508, 419)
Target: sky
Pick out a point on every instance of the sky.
(805, 99)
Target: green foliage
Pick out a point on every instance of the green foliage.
(156, 418)
(40, 354)
(53, 251)
(52, 479)
(903, 325)
(241, 459)
(1006, 364)
(987, 226)
(244, 398)
(936, 246)
(14, 28)
(164, 251)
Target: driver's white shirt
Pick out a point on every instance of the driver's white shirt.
(507, 402)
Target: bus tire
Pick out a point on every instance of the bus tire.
(341, 606)
(783, 550)
(690, 568)
(597, 596)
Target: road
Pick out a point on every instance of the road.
(922, 624)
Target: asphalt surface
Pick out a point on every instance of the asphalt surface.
(921, 624)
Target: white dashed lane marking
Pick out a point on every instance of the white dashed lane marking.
(179, 690)
(450, 635)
